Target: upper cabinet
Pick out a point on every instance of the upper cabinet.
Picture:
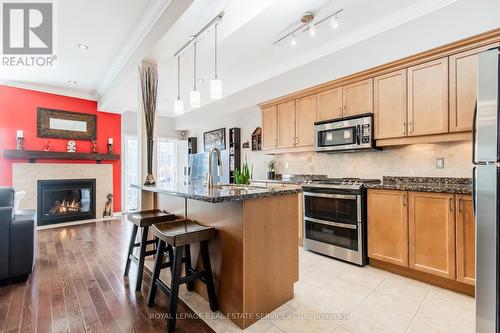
(428, 98)
(357, 98)
(329, 104)
(463, 88)
(270, 127)
(305, 118)
(286, 124)
(389, 105)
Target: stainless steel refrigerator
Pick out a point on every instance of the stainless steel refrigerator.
(486, 191)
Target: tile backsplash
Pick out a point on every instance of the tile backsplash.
(413, 160)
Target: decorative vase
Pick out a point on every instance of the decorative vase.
(150, 180)
(271, 175)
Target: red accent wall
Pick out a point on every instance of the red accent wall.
(18, 110)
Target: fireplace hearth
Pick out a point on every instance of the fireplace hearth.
(65, 200)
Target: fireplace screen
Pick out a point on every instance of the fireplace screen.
(65, 200)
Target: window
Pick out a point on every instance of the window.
(130, 172)
(166, 166)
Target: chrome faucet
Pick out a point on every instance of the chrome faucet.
(211, 184)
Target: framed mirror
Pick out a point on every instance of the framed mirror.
(66, 125)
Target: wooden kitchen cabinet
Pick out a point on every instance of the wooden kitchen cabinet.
(270, 127)
(428, 98)
(357, 98)
(388, 226)
(463, 88)
(286, 124)
(431, 231)
(305, 118)
(329, 104)
(389, 105)
(466, 240)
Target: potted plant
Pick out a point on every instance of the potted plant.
(271, 169)
(244, 176)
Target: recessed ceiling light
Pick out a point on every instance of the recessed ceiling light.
(72, 82)
(83, 46)
(200, 80)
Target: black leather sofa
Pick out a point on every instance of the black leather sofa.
(17, 239)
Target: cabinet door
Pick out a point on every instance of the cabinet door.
(330, 104)
(432, 233)
(270, 127)
(463, 88)
(388, 226)
(389, 105)
(306, 116)
(466, 240)
(428, 98)
(358, 98)
(286, 124)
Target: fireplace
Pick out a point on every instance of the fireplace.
(64, 200)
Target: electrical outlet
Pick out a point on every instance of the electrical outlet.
(440, 163)
(286, 165)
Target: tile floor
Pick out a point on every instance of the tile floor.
(333, 296)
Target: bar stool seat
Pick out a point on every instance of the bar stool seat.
(143, 219)
(180, 234)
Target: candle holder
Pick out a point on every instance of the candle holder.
(110, 148)
(20, 144)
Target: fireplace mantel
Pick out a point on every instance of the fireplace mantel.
(33, 155)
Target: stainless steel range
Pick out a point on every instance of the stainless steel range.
(335, 218)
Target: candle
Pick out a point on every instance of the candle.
(20, 134)
(110, 141)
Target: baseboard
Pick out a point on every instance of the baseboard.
(73, 223)
(425, 277)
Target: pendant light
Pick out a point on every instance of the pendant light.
(195, 94)
(178, 104)
(215, 84)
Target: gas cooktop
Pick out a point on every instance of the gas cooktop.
(342, 182)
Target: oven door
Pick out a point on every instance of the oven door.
(332, 206)
(338, 234)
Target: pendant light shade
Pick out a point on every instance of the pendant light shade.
(216, 83)
(178, 104)
(195, 96)
(179, 107)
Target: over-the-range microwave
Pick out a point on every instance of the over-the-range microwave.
(345, 134)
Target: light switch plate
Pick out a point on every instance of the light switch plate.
(440, 163)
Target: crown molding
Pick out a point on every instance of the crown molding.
(48, 89)
(140, 31)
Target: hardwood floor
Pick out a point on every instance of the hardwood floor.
(78, 286)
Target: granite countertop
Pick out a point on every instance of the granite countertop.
(425, 184)
(290, 179)
(222, 193)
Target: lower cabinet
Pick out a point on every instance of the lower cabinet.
(427, 232)
(466, 240)
(388, 227)
(431, 233)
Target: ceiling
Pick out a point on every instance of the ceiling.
(246, 35)
(106, 27)
(142, 30)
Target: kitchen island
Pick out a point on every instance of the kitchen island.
(255, 254)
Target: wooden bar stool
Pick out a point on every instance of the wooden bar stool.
(143, 219)
(180, 234)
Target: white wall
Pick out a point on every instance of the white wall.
(165, 126)
(248, 120)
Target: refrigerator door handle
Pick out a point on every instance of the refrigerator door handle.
(474, 192)
(474, 130)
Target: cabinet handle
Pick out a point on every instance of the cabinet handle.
(410, 127)
(460, 205)
(451, 205)
(403, 128)
(404, 200)
(340, 111)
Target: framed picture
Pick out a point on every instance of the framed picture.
(215, 138)
(66, 125)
